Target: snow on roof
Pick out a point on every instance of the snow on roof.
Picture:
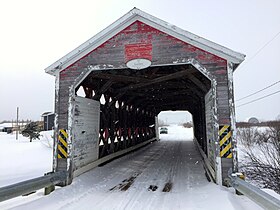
(46, 114)
(129, 18)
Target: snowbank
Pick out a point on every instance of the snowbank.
(21, 160)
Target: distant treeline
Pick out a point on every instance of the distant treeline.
(260, 124)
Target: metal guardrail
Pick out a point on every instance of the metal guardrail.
(254, 193)
(31, 185)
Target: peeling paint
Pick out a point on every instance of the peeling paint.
(85, 132)
(55, 142)
(210, 128)
(232, 116)
(100, 67)
(91, 67)
(202, 69)
(70, 127)
(218, 165)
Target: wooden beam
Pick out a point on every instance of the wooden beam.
(164, 98)
(171, 94)
(193, 87)
(88, 92)
(152, 73)
(136, 93)
(198, 83)
(119, 77)
(102, 90)
(165, 95)
(185, 103)
(168, 85)
(159, 79)
(131, 99)
(174, 102)
(141, 102)
(179, 107)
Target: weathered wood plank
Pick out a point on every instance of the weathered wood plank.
(85, 131)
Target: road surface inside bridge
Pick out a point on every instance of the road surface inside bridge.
(167, 174)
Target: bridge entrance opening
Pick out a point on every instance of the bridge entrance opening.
(130, 102)
(131, 99)
(175, 126)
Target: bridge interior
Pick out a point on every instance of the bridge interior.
(133, 98)
(172, 169)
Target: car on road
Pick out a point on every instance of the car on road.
(163, 130)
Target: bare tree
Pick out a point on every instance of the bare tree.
(246, 135)
(262, 152)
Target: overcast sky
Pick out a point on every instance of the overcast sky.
(34, 34)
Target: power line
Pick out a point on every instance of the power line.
(258, 91)
(267, 43)
(258, 99)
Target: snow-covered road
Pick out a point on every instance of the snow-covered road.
(164, 175)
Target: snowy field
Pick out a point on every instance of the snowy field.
(164, 175)
(21, 159)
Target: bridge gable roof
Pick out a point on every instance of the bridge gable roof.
(138, 15)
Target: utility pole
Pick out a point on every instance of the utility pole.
(17, 128)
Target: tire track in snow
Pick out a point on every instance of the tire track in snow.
(130, 163)
(160, 172)
(155, 166)
(153, 154)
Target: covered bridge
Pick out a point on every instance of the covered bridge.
(130, 72)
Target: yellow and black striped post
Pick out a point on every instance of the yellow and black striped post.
(225, 141)
(62, 144)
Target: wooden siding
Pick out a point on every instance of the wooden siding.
(85, 138)
(210, 128)
(226, 165)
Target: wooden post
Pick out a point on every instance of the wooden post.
(17, 124)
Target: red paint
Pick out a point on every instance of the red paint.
(106, 134)
(224, 121)
(202, 57)
(137, 40)
(129, 132)
(119, 132)
(221, 71)
(136, 131)
(138, 50)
